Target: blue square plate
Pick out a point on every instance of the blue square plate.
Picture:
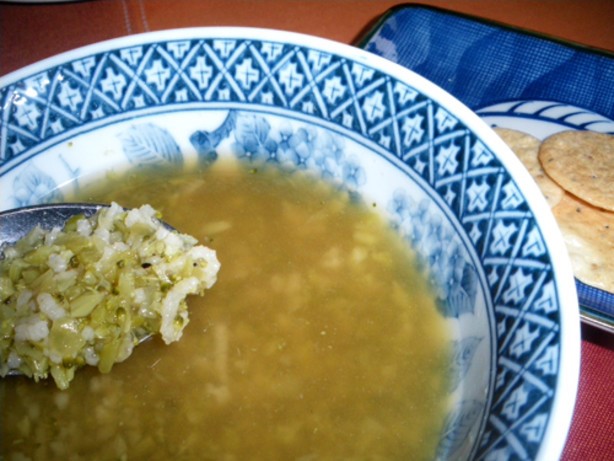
(511, 78)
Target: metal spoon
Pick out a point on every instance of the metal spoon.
(16, 223)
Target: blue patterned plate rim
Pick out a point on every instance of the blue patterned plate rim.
(568, 371)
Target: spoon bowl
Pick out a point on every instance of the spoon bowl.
(16, 224)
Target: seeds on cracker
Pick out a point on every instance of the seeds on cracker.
(581, 195)
(582, 163)
(589, 236)
(526, 148)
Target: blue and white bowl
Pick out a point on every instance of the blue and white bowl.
(446, 182)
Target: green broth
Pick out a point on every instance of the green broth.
(319, 341)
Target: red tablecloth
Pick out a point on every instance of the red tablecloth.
(30, 32)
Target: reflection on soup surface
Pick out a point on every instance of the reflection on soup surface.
(320, 340)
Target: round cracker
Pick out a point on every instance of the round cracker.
(589, 237)
(526, 148)
(582, 162)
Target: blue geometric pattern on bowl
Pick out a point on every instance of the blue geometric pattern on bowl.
(300, 106)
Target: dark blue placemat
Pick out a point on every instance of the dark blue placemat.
(482, 63)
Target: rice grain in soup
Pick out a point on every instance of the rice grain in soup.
(320, 340)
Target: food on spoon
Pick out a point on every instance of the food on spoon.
(526, 148)
(582, 163)
(88, 293)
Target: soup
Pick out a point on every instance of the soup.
(319, 341)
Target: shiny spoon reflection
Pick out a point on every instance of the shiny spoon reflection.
(16, 223)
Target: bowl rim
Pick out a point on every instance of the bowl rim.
(567, 380)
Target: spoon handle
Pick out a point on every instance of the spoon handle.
(16, 223)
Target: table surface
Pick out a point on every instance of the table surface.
(30, 32)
